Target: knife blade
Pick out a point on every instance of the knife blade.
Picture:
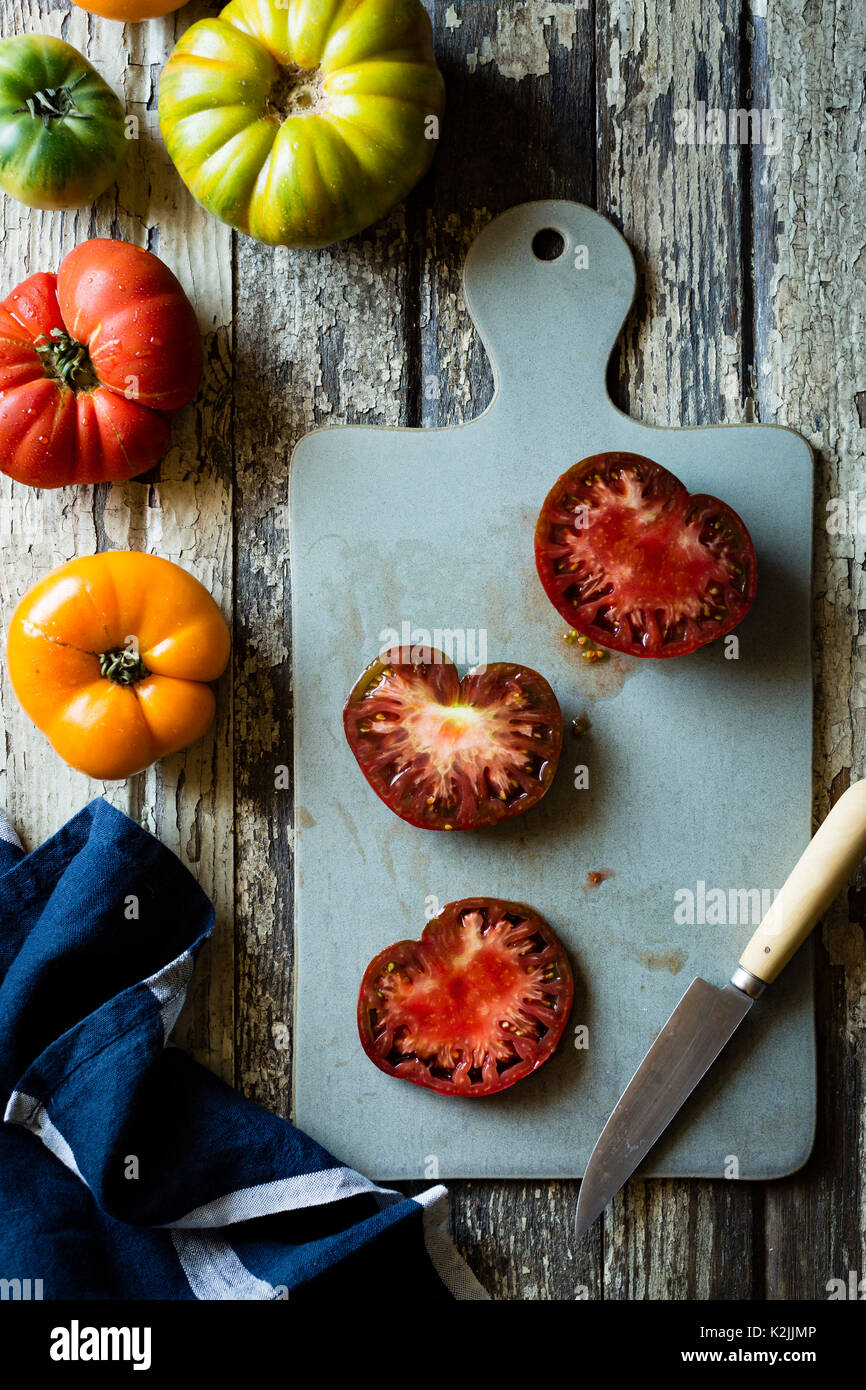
(707, 1016)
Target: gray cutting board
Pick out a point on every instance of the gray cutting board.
(699, 768)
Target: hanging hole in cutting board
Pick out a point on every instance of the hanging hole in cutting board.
(548, 244)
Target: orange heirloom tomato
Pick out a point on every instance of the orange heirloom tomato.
(130, 11)
(110, 656)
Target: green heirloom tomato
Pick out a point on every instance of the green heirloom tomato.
(303, 121)
(62, 129)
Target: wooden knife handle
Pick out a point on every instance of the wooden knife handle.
(823, 868)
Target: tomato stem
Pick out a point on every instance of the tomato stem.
(122, 666)
(54, 104)
(66, 359)
(296, 91)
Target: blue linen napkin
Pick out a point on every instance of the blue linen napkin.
(126, 1169)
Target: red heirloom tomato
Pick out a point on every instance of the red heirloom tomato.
(91, 362)
(447, 754)
(475, 1005)
(637, 563)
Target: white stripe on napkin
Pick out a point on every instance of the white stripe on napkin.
(444, 1255)
(31, 1114)
(7, 833)
(170, 985)
(215, 1271)
(314, 1189)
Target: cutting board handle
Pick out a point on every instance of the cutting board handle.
(823, 868)
(549, 325)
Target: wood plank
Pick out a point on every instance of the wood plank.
(682, 360)
(182, 513)
(519, 125)
(320, 340)
(810, 262)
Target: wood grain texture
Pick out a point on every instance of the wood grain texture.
(184, 514)
(520, 125)
(320, 339)
(751, 304)
(682, 359)
(810, 265)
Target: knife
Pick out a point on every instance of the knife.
(706, 1017)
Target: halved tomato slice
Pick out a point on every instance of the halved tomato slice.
(475, 1005)
(637, 563)
(447, 754)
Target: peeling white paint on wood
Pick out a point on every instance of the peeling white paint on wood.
(521, 41)
(811, 374)
(185, 516)
(815, 359)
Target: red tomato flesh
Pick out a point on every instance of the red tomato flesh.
(446, 754)
(477, 1004)
(635, 562)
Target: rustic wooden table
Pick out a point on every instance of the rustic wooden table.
(752, 271)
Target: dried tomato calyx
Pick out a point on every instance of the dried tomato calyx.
(53, 104)
(66, 359)
(122, 666)
(296, 91)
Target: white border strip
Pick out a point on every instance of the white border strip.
(31, 1114)
(215, 1271)
(444, 1255)
(170, 985)
(314, 1189)
(7, 832)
